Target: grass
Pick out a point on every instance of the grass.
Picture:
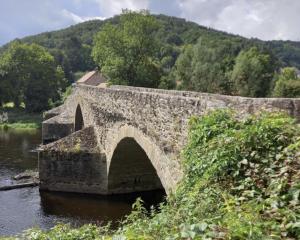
(18, 118)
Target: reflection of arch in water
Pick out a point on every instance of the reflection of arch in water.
(99, 208)
(79, 123)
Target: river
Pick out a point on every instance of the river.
(21, 209)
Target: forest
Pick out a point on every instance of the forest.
(141, 49)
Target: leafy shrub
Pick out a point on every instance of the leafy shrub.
(287, 84)
(65, 232)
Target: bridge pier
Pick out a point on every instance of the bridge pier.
(73, 164)
(76, 164)
(56, 126)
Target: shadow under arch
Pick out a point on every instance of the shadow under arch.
(131, 170)
(79, 123)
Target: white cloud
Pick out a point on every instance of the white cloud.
(202, 11)
(265, 19)
(110, 8)
(76, 18)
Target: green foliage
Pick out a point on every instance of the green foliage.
(78, 54)
(28, 74)
(20, 119)
(126, 53)
(253, 73)
(287, 83)
(61, 59)
(65, 232)
(254, 163)
(287, 52)
(209, 68)
(241, 182)
(220, 65)
(71, 47)
(206, 66)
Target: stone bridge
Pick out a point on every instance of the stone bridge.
(125, 139)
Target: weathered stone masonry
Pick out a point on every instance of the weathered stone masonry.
(128, 139)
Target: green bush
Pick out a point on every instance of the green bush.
(65, 232)
(287, 83)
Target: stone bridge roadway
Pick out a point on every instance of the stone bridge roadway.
(126, 139)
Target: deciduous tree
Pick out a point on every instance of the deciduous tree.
(127, 53)
(287, 83)
(253, 73)
(29, 74)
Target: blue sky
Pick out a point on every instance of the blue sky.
(264, 19)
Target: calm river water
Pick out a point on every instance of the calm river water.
(26, 208)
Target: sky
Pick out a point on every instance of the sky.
(264, 19)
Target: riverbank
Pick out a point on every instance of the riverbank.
(28, 178)
(19, 119)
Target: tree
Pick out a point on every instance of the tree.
(29, 74)
(127, 53)
(5, 88)
(62, 60)
(206, 65)
(287, 83)
(184, 68)
(72, 49)
(253, 73)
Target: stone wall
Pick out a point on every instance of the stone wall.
(73, 164)
(156, 119)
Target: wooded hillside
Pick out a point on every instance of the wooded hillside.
(158, 51)
(72, 46)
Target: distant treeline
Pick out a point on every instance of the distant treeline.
(151, 51)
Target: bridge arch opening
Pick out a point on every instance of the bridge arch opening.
(79, 123)
(131, 169)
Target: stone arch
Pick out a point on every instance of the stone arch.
(156, 163)
(79, 122)
(131, 170)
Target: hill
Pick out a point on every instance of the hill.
(72, 46)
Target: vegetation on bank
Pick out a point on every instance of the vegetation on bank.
(241, 182)
(18, 118)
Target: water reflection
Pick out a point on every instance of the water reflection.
(26, 208)
(15, 155)
(95, 208)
